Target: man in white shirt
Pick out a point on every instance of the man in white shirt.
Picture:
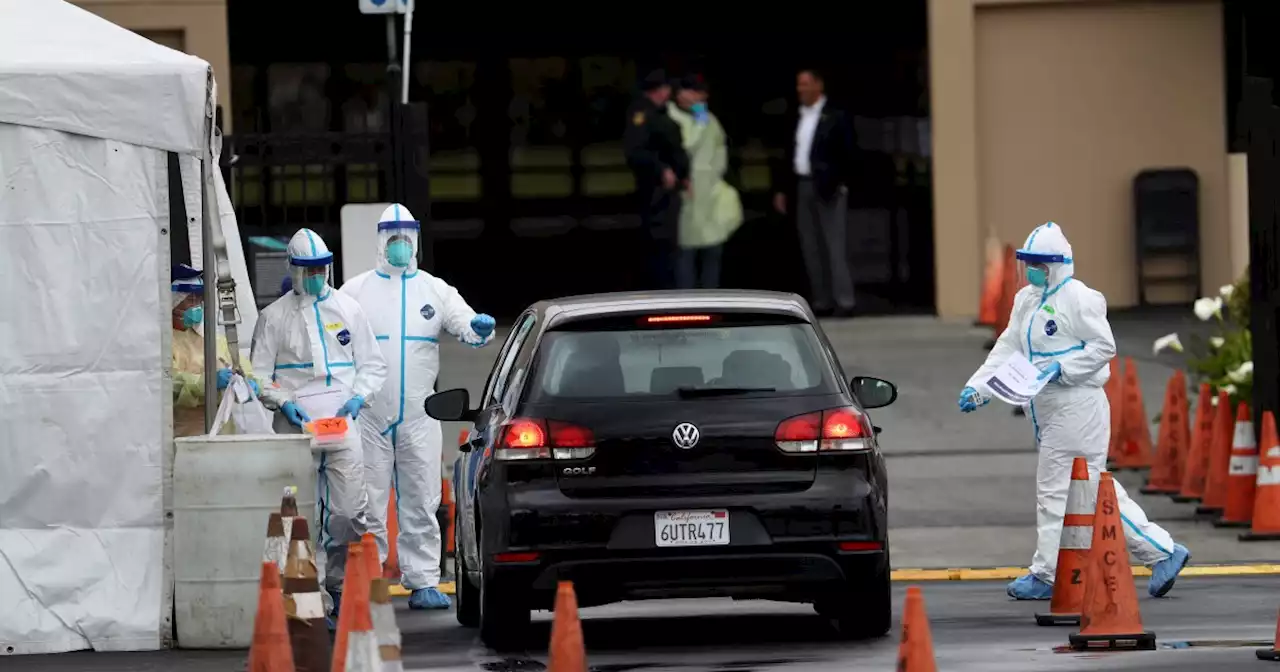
(816, 181)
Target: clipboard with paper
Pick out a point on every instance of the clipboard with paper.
(1017, 381)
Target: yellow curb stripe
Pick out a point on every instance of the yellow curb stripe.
(1010, 573)
(997, 574)
(397, 590)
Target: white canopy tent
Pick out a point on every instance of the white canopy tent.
(88, 113)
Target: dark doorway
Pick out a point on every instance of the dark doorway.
(530, 194)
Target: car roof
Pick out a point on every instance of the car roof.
(570, 308)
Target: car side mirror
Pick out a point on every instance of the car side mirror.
(450, 405)
(873, 392)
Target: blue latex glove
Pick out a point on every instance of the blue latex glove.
(224, 379)
(1052, 372)
(352, 407)
(296, 416)
(971, 400)
(483, 325)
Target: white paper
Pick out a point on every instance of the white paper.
(1017, 381)
(320, 401)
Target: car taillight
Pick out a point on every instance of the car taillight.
(832, 430)
(534, 439)
(676, 319)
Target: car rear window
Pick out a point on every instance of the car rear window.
(644, 362)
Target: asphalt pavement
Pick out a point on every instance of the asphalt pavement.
(1204, 625)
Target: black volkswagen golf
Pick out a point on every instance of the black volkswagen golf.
(670, 445)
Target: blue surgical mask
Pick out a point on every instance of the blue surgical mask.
(1037, 276)
(192, 316)
(313, 284)
(399, 253)
(700, 113)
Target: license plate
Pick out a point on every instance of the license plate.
(691, 528)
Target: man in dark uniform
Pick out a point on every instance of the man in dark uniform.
(655, 154)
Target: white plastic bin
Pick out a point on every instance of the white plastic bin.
(224, 490)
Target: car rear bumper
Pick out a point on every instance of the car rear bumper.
(792, 572)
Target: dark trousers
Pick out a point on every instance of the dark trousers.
(660, 216)
(699, 267)
(822, 227)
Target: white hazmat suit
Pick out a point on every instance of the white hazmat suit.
(314, 339)
(408, 308)
(1065, 322)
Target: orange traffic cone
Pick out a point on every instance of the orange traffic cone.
(1266, 503)
(1196, 466)
(1073, 550)
(361, 647)
(1242, 472)
(1135, 430)
(1166, 472)
(355, 600)
(1008, 289)
(270, 650)
(304, 603)
(915, 652)
(567, 653)
(1272, 653)
(391, 568)
(384, 625)
(1112, 388)
(277, 547)
(1109, 617)
(992, 282)
(1215, 481)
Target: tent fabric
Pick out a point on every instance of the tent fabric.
(64, 68)
(84, 402)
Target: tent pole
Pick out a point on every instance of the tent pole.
(219, 286)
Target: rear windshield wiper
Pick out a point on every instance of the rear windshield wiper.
(691, 392)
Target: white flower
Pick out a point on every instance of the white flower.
(1226, 290)
(1217, 341)
(1229, 389)
(1169, 342)
(1241, 373)
(1207, 308)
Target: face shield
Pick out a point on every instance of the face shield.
(308, 279)
(1035, 269)
(398, 245)
(188, 305)
(310, 263)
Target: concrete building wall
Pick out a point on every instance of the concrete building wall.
(197, 27)
(1047, 109)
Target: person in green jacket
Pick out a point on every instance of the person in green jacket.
(711, 210)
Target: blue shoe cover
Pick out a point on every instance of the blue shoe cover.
(1166, 571)
(429, 598)
(1030, 587)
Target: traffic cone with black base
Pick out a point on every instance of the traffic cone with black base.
(1196, 464)
(1215, 480)
(567, 652)
(1242, 472)
(1165, 477)
(915, 652)
(1073, 550)
(1272, 653)
(1109, 617)
(1265, 525)
(270, 650)
(384, 625)
(360, 650)
(304, 603)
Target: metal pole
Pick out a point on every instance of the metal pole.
(408, 42)
(391, 38)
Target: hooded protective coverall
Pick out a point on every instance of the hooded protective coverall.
(408, 308)
(1065, 322)
(314, 334)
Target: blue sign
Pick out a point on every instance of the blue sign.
(1050, 327)
(427, 311)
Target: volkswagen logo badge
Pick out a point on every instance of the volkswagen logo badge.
(685, 435)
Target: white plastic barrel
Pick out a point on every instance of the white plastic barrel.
(224, 490)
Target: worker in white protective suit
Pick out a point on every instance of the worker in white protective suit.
(408, 308)
(1060, 325)
(313, 348)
